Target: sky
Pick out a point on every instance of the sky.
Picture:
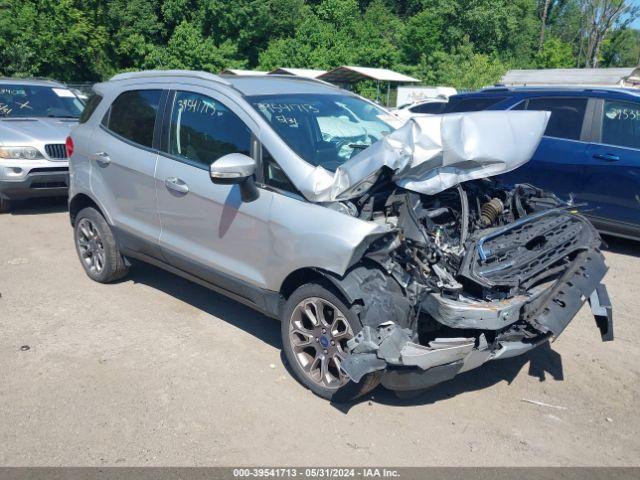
(636, 24)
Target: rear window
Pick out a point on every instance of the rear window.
(567, 115)
(90, 107)
(472, 104)
(132, 115)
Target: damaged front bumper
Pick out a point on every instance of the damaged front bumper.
(407, 365)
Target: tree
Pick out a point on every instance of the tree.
(188, 49)
(601, 16)
(622, 49)
(466, 43)
(462, 68)
(555, 54)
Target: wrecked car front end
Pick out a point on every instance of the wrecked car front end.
(473, 274)
(456, 270)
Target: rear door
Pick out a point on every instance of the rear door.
(612, 185)
(558, 163)
(123, 159)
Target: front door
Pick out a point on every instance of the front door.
(612, 183)
(207, 230)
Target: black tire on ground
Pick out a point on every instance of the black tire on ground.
(349, 390)
(112, 266)
(5, 205)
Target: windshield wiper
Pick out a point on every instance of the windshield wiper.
(63, 116)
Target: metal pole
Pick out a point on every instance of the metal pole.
(388, 90)
(377, 90)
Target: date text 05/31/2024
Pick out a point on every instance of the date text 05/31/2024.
(326, 472)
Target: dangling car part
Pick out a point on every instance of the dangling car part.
(512, 281)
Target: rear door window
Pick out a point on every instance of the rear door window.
(473, 104)
(567, 115)
(621, 124)
(203, 130)
(133, 114)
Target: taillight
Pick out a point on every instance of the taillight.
(69, 145)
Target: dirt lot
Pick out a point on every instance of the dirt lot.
(158, 371)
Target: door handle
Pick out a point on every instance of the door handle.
(102, 158)
(607, 157)
(176, 184)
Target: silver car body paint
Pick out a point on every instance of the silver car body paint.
(260, 242)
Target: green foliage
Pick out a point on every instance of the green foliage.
(188, 48)
(622, 49)
(464, 43)
(555, 54)
(462, 68)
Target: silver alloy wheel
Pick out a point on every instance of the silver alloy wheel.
(90, 246)
(318, 333)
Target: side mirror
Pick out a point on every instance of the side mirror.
(236, 169)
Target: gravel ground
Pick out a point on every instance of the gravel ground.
(155, 370)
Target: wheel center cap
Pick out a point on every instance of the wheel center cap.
(324, 341)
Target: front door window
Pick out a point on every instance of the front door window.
(203, 130)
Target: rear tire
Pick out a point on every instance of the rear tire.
(5, 205)
(314, 344)
(97, 248)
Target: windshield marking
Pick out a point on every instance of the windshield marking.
(274, 107)
(325, 130)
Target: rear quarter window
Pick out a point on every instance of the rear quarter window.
(90, 107)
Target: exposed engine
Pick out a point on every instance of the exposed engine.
(473, 266)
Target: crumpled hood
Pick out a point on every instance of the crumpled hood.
(430, 154)
(26, 131)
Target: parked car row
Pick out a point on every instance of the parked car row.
(293, 197)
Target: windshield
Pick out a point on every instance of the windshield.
(38, 101)
(325, 130)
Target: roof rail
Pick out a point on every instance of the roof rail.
(299, 77)
(170, 73)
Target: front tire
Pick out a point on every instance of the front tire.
(97, 248)
(316, 325)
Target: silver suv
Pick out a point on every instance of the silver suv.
(35, 119)
(386, 253)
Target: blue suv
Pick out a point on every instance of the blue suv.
(590, 152)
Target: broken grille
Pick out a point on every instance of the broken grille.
(513, 255)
